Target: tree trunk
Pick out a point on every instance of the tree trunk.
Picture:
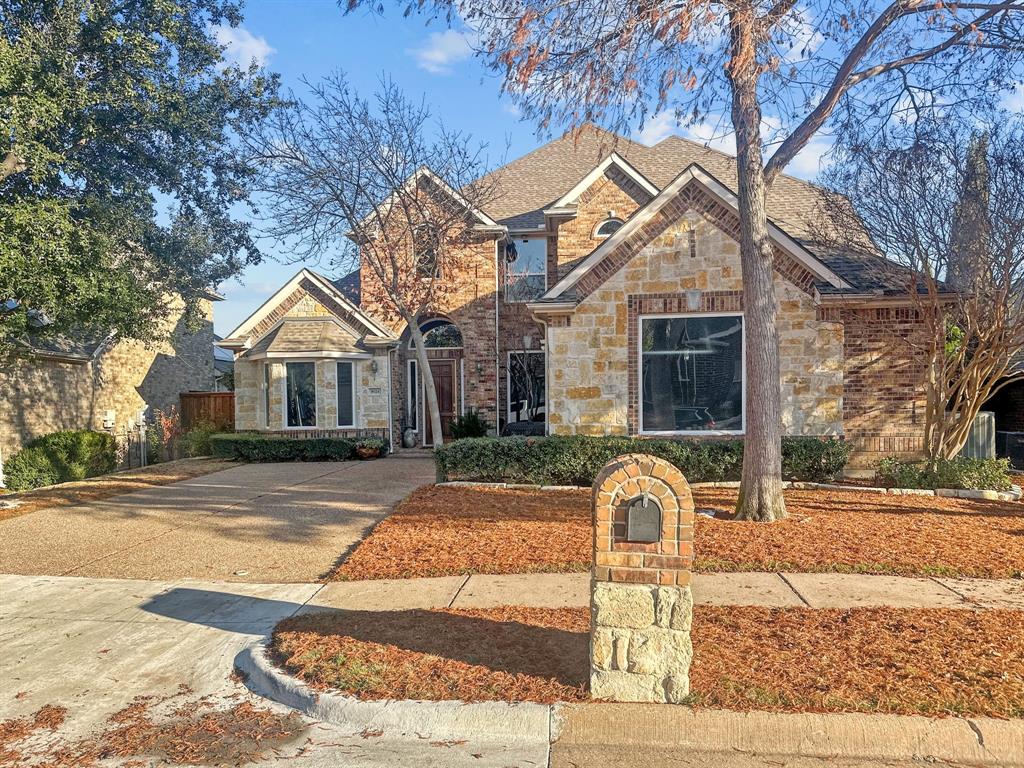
(760, 496)
(429, 392)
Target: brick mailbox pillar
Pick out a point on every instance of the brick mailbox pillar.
(641, 605)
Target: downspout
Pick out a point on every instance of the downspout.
(391, 420)
(497, 351)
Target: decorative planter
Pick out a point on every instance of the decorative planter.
(364, 452)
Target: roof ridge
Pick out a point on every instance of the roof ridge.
(727, 156)
(592, 126)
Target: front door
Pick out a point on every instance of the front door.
(445, 384)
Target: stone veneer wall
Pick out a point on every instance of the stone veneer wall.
(39, 395)
(590, 388)
(641, 604)
(371, 394)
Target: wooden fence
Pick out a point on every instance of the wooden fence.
(215, 407)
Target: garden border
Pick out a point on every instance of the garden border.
(958, 493)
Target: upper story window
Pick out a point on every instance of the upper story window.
(424, 245)
(607, 227)
(527, 269)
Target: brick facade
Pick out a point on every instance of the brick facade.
(42, 395)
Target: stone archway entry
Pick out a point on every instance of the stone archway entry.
(446, 384)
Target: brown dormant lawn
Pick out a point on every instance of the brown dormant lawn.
(445, 530)
(933, 662)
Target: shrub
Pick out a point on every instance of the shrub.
(469, 424)
(61, 457)
(251, 446)
(959, 473)
(576, 460)
(196, 442)
(371, 447)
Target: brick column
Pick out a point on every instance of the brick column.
(641, 605)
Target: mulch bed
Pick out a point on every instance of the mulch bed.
(933, 662)
(105, 486)
(443, 530)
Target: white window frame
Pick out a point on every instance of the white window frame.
(544, 272)
(640, 377)
(355, 379)
(284, 397)
(265, 384)
(508, 380)
(597, 236)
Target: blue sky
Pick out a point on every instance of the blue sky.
(313, 38)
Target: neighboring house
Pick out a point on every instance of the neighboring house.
(223, 367)
(608, 300)
(101, 384)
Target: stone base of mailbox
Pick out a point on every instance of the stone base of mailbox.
(640, 642)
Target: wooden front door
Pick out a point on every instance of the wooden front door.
(444, 373)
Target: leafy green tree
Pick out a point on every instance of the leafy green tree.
(120, 180)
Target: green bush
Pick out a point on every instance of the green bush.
(196, 442)
(251, 446)
(469, 424)
(61, 457)
(960, 473)
(576, 460)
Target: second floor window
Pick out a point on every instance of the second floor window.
(424, 243)
(526, 270)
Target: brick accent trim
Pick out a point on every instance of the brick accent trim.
(663, 304)
(667, 561)
(691, 197)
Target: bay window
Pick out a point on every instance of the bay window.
(300, 394)
(691, 374)
(346, 394)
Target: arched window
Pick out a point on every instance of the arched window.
(607, 227)
(440, 334)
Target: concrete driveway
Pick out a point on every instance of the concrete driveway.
(252, 523)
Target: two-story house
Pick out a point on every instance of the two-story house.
(604, 297)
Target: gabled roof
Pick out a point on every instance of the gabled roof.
(425, 173)
(693, 174)
(614, 159)
(239, 337)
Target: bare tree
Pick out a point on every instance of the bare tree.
(808, 64)
(947, 203)
(375, 184)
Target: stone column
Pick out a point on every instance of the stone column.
(641, 605)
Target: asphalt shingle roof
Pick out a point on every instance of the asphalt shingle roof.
(306, 335)
(530, 184)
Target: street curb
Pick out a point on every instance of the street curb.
(974, 741)
(511, 724)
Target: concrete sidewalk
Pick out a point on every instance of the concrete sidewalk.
(770, 590)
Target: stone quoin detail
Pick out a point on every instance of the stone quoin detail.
(641, 604)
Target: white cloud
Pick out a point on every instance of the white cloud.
(811, 160)
(441, 51)
(804, 37)
(242, 47)
(658, 127)
(1013, 101)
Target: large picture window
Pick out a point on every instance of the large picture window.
(300, 394)
(266, 396)
(526, 386)
(526, 271)
(691, 374)
(346, 394)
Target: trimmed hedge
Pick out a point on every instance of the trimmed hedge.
(960, 473)
(252, 446)
(576, 460)
(61, 457)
